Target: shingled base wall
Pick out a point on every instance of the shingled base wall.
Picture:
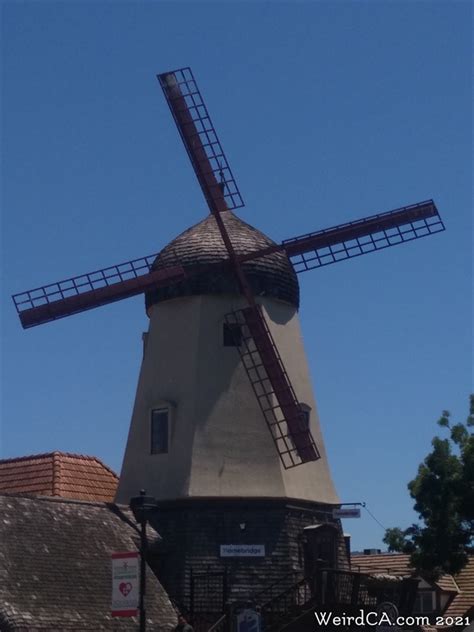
(193, 531)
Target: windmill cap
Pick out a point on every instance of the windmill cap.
(271, 276)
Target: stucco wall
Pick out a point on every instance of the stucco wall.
(220, 445)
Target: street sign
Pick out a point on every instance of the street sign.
(242, 550)
(350, 512)
(248, 620)
(125, 584)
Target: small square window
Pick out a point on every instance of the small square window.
(232, 335)
(159, 431)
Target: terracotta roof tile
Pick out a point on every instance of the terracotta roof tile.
(398, 564)
(391, 563)
(59, 474)
(463, 603)
(447, 583)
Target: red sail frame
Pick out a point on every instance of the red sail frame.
(200, 140)
(186, 115)
(324, 247)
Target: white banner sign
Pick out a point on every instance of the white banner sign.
(242, 550)
(353, 512)
(125, 584)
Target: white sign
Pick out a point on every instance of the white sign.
(248, 621)
(353, 512)
(125, 584)
(242, 550)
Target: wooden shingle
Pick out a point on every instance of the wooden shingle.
(272, 275)
(55, 567)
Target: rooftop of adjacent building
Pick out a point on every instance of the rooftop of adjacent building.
(59, 474)
(51, 547)
(460, 587)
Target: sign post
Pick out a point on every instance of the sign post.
(125, 585)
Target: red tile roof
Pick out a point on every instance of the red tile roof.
(390, 563)
(59, 474)
(398, 564)
(463, 603)
(447, 583)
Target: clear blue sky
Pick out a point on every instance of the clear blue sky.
(328, 111)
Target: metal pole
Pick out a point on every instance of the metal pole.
(143, 547)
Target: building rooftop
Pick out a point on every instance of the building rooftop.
(59, 474)
(390, 563)
(55, 566)
(463, 603)
(461, 586)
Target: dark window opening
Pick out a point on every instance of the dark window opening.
(306, 415)
(423, 602)
(232, 335)
(159, 431)
(320, 549)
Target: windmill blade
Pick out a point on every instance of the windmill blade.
(272, 387)
(363, 236)
(221, 192)
(357, 238)
(81, 293)
(208, 160)
(200, 140)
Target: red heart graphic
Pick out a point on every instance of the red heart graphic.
(125, 588)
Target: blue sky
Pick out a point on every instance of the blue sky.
(328, 112)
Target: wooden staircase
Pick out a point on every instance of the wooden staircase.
(339, 592)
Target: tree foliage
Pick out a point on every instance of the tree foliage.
(443, 491)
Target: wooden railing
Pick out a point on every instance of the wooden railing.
(345, 591)
(220, 625)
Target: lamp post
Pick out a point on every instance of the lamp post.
(140, 506)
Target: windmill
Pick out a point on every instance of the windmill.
(265, 369)
(224, 430)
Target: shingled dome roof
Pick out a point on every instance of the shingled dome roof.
(271, 276)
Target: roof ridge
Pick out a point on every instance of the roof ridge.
(56, 473)
(362, 554)
(58, 453)
(105, 466)
(29, 457)
(455, 582)
(86, 457)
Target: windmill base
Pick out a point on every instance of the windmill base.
(220, 550)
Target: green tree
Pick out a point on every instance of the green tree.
(443, 491)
